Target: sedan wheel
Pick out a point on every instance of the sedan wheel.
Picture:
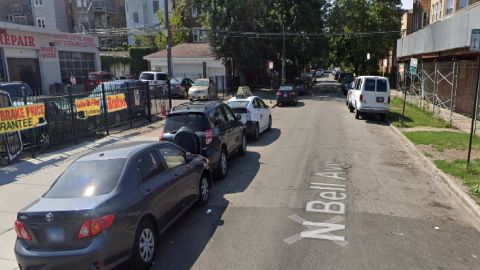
(145, 246)
(204, 191)
(270, 123)
(257, 133)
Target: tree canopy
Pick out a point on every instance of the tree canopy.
(359, 27)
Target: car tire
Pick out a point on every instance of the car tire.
(357, 114)
(269, 123)
(242, 149)
(222, 169)
(256, 134)
(145, 246)
(204, 190)
(351, 108)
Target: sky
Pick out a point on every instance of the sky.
(407, 4)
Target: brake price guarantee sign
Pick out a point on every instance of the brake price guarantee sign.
(116, 102)
(20, 118)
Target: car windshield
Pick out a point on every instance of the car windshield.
(195, 121)
(147, 76)
(286, 88)
(201, 83)
(175, 81)
(238, 104)
(87, 178)
(15, 90)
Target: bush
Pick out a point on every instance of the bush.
(138, 64)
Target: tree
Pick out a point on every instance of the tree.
(230, 21)
(359, 27)
(179, 25)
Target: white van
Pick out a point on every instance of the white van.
(369, 95)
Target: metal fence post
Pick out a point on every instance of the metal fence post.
(149, 103)
(105, 109)
(72, 114)
(452, 91)
(435, 87)
(129, 106)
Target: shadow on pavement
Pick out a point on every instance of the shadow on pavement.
(183, 243)
(291, 105)
(266, 138)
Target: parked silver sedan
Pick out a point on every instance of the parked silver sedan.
(110, 206)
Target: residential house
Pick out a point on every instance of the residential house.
(51, 14)
(89, 15)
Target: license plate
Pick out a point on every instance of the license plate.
(285, 95)
(380, 99)
(55, 235)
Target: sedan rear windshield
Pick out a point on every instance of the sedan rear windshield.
(201, 83)
(194, 121)
(15, 90)
(238, 104)
(87, 178)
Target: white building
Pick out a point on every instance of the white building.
(141, 14)
(51, 14)
(191, 60)
(42, 57)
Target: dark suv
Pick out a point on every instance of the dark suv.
(208, 128)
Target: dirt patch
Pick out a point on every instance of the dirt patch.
(447, 154)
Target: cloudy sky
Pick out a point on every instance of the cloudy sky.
(407, 4)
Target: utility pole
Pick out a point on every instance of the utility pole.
(169, 54)
(283, 54)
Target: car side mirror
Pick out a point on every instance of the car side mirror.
(238, 117)
(188, 156)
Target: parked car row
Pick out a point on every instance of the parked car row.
(369, 95)
(109, 206)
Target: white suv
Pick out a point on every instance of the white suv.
(154, 78)
(369, 94)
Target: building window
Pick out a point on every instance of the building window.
(463, 3)
(195, 10)
(135, 17)
(449, 7)
(424, 19)
(82, 3)
(10, 18)
(38, 2)
(76, 63)
(41, 22)
(156, 7)
(199, 35)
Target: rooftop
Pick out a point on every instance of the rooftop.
(186, 50)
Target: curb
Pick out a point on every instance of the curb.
(449, 184)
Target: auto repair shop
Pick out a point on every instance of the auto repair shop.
(43, 57)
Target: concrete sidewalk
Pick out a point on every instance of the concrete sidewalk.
(459, 121)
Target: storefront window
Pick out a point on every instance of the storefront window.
(76, 63)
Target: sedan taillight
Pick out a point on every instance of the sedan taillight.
(22, 233)
(279, 94)
(92, 227)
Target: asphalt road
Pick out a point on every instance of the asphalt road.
(387, 211)
(321, 190)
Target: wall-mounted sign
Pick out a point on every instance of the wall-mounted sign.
(116, 103)
(74, 40)
(20, 118)
(87, 107)
(15, 40)
(413, 66)
(475, 41)
(48, 52)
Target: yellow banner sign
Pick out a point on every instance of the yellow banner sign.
(20, 118)
(87, 107)
(116, 103)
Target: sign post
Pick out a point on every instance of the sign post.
(474, 47)
(270, 67)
